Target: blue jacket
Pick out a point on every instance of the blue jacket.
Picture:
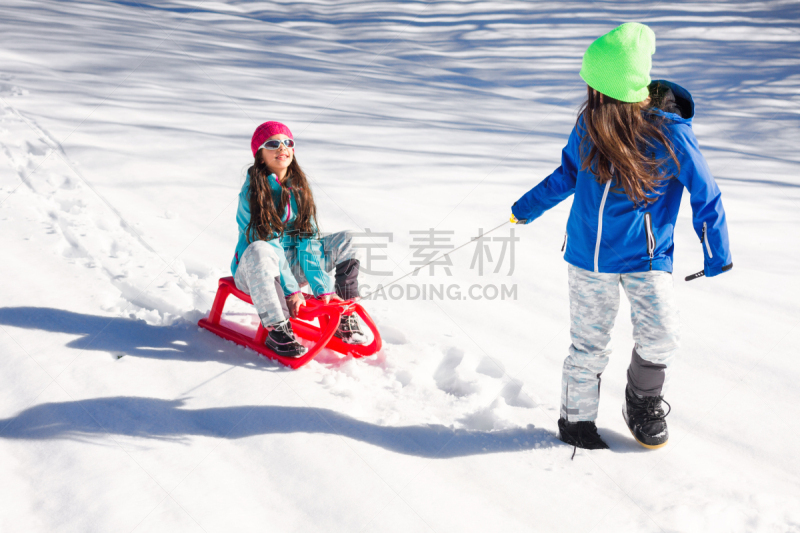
(607, 232)
(310, 253)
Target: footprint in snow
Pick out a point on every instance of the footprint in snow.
(513, 394)
(491, 367)
(447, 377)
(393, 335)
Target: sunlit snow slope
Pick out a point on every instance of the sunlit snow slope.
(124, 140)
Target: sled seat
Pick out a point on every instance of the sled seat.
(327, 315)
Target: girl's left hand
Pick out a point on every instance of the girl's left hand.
(328, 297)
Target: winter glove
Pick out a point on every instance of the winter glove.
(514, 220)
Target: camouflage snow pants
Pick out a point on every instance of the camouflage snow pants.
(594, 303)
(258, 273)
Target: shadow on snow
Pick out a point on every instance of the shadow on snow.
(168, 420)
(128, 337)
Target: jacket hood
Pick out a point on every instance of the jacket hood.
(683, 109)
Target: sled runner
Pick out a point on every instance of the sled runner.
(327, 315)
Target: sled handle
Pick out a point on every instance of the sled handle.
(314, 307)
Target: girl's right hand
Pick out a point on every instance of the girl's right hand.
(294, 301)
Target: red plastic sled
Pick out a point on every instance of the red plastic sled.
(327, 314)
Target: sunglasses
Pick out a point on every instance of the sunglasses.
(275, 144)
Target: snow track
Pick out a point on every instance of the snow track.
(95, 235)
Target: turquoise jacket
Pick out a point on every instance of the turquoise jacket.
(309, 252)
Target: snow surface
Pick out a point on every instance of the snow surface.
(124, 129)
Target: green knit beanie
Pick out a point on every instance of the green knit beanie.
(618, 63)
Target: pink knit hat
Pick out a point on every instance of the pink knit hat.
(265, 131)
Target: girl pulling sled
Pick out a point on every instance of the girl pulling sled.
(627, 161)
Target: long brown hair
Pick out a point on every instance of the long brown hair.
(265, 218)
(619, 143)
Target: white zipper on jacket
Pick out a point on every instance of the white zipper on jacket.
(705, 240)
(600, 228)
(651, 238)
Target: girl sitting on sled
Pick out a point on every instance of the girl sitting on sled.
(280, 247)
(628, 159)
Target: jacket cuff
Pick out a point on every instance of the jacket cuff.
(321, 283)
(528, 216)
(715, 270)
(322, 290)
(291, 287)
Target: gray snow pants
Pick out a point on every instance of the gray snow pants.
(594, 303)
(258, 273)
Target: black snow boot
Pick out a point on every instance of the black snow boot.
(581, 434)
(350, 331)
(282, 341)
(645, 418)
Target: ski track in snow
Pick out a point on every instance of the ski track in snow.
(95, 235)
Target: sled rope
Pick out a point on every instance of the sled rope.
(382, 287)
